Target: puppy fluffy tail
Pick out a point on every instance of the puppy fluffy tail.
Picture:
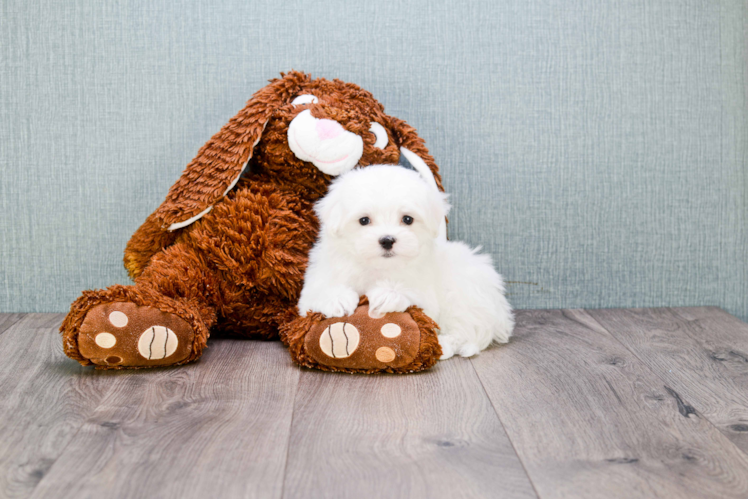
(474, 307)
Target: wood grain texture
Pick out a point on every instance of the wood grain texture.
(432, 434)
(606, 403)
(216, 428)
(588, 419)
(8, 319)
(701, 352)
(44, 400)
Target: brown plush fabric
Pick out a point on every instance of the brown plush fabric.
(411, 354)
(239, 269)
(166, 338)
(71, 326)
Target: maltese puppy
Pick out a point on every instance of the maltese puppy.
(382, 236)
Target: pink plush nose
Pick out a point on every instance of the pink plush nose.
(328, 129)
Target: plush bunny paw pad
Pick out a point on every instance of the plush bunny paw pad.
(123, 334)
(361, 342)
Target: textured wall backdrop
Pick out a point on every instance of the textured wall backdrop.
(597, 149)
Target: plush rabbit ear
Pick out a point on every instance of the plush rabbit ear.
(415, 156)
(220, 162)
(413, 152)
(212, 173)
(412, 161)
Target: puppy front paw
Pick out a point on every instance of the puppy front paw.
(383, 300)
(448, 346)
(334, 303)
(452, 345)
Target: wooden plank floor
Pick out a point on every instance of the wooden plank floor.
(598, 403)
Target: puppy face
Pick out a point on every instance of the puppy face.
(382, 215)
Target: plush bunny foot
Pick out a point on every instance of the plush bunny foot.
(122, 334)
(395, 342)
(109, 331)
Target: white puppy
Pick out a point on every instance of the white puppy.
(380, 237)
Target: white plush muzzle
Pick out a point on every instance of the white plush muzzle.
(324, 143)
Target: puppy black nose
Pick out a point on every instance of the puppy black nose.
(387, 242)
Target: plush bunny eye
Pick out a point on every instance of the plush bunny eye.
(381, 135)
(304, 99)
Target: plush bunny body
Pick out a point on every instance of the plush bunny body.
(227, 251)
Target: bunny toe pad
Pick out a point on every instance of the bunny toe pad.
(360, 341)
(124, 335)
(395, 343)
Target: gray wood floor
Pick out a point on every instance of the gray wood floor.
(581, 403)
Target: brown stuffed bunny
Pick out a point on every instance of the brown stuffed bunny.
(227, 251)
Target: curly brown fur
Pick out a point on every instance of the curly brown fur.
(258, 134)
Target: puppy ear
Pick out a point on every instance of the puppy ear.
(212, 173)
(436, 212)
(330, 211)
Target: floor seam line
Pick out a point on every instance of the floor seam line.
(8, 327)
(84, 421)
(498, 417)
(290, 430)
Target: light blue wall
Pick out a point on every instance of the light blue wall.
(597, 149)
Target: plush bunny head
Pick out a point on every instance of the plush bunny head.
(298, 133)
(327, 128)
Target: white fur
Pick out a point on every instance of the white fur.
(456, 286)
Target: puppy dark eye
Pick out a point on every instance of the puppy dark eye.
(407, 219)
(364, 221)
